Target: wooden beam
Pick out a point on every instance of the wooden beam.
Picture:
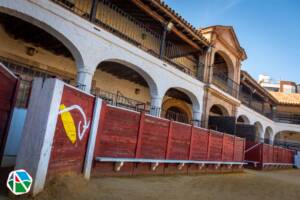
(177, 20)
(162, 49)
(156, 16)
(93, 11)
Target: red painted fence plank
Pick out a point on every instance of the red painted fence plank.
(155, 136)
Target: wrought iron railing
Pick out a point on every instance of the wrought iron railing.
(246, 99)
(175, 116)
(287, 118)
(23, 94)
(122, 24)
(290, 144)
(258, 106)
(226, 84)
(120, 100)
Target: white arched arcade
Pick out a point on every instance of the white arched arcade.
(243, 119)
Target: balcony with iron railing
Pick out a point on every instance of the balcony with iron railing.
(260, 107)
(122, 24)
(288, 118)
(249, 101)
(226, 84)
(119, 100)
(290, 144)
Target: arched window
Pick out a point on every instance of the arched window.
(177, 105)
(223, 74)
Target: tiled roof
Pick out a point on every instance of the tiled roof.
(283, 98)
(186, 23)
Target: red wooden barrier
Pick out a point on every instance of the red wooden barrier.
(128, 134)
(263, 155)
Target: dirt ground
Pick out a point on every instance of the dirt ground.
(252, 185)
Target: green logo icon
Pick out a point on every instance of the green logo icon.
(19, 182)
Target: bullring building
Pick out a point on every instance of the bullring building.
(141, 55)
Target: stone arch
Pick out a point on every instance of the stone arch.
(268, 135)
(259, 131)
(195, 102)
(243, 119)
(172, 103)
(153, 85)
(195, 107)
(49, 28)
(286, 136)
(229, 65)
(65, 32)
(216, 114)
(218, 110)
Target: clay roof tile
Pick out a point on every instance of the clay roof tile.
(290, 99)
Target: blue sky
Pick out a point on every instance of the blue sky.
(269, 30)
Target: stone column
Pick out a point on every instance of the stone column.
(200, 74)
(155, 109)
(197, 118)
(210, 64)
(84, 79)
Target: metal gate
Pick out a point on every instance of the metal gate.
(8, 86)
(222, 124)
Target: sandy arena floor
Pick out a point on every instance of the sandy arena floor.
(252, 185)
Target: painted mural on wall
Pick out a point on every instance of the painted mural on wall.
(72, 131)
(69, 124)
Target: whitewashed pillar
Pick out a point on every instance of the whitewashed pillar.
(92, 139)
(155, 108)
(197, 117)
(84, 79)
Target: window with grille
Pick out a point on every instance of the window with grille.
(27, 74)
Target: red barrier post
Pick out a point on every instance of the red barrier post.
(233, 153)
(261, 152)
(101, 125)
(274, 154)
(168, 147)
(208, 146)
(244, 146)
(139, 135)
(223, 147)
(191, 142)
